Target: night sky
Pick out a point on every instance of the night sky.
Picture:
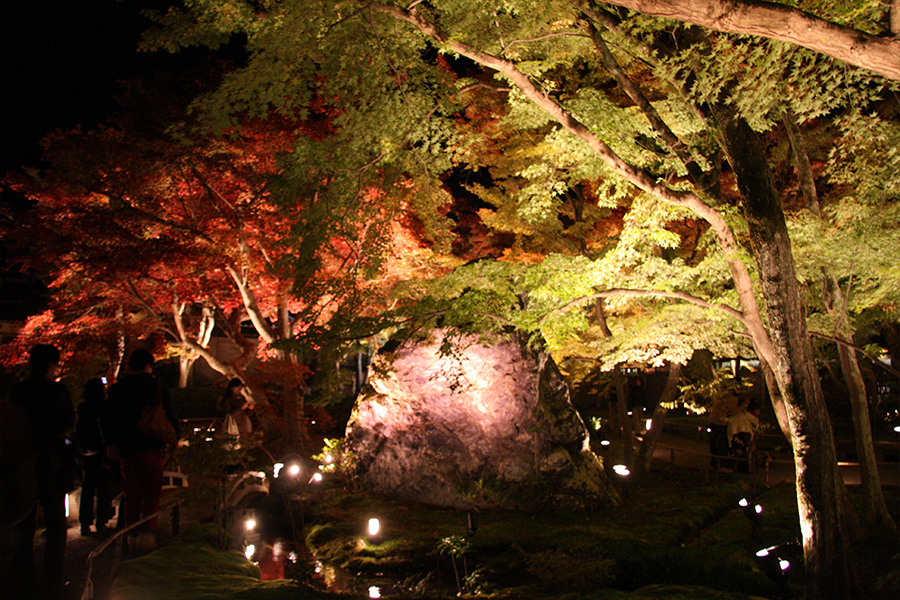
(61, 61)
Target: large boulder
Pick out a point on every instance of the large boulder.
(454, 421)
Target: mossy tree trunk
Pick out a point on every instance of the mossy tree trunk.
(825, 518)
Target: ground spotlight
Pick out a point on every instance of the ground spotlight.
(621, 470)
(753, 512)
(374, 591)
(774, 567)
(249, 551)
(374, 526)
(316, 477)
(604, 443)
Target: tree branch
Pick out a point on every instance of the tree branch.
(725, 236)
(856, 349)
(637, 96)
(777, 21)
(653, 293)
(539, 38)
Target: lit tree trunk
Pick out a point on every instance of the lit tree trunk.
(874, 512)
(186, 361)
(119, 357)
(263, 408)
(648, 445)
(776, 399)
(294, 408)
(824, 520)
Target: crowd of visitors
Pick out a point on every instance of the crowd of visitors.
(126, 433)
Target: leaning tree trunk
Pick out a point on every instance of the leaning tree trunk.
(875, 514)
(775, 396)
(824, 520)
(874, 511)
(620, 424)
(648, 445)
(185, 369)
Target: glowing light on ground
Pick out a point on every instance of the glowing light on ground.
(374, 592)
(621, 470)
(374, 526)
(249, 551)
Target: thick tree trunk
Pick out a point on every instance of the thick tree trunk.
(648, 445)
(781, 22)
(825, 526)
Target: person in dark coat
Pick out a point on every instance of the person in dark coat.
(238, 406)
(49, 413)
(141, 456)
(97, 474)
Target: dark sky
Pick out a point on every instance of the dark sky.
(60, 63)
(61, 60)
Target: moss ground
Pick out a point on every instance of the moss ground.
(675, 536)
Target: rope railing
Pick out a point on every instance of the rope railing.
(88, 591)
(766, 464)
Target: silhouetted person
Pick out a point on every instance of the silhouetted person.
(238, 407)
(717, 427)
(741, 427)
(49, 414)
(141, 456)
(97, 474)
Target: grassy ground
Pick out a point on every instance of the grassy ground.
(674, 537)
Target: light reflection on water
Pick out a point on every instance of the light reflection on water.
(275, 560)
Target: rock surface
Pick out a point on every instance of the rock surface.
(480, 426)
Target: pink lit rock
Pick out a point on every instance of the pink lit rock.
(482, 426)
